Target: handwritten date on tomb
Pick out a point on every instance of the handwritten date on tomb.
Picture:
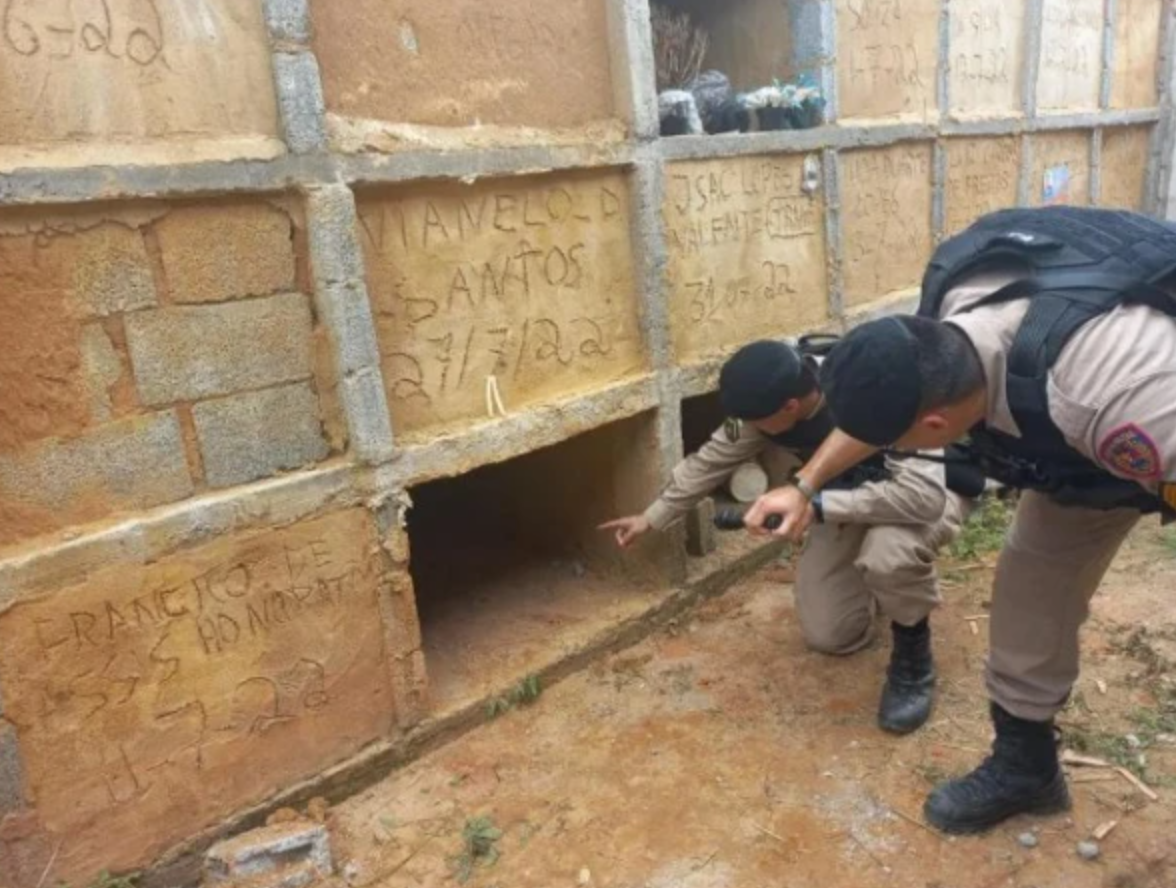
(711, 303)
(124, 30)
(146, 650)
(463, 358)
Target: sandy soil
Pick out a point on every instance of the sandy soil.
(722, 754)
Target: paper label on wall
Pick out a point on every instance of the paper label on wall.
(1055, 187)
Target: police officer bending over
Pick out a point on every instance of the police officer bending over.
(1049, 338)
(879, 525)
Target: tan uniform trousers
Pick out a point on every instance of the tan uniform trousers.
(847, 572)
(1050, 567)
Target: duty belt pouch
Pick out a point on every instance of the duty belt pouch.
(964, 478)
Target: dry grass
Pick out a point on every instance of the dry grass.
(679, 47)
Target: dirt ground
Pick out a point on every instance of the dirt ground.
(722, 754)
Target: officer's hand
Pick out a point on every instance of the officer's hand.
(627, 530)
(787, 502)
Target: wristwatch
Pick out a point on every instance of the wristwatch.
(818, 508)
(803, 486)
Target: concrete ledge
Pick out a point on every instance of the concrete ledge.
(471, 164)
(53, 186)
(1019, 125)
(149, 536)
(49, 186)
(499, 440)
(782, 141)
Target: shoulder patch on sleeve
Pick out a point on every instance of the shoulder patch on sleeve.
(1168, 494)
(733, 428)
(1130, 451)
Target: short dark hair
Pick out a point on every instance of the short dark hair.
(762, 377)
(949, 368)
(883, 374)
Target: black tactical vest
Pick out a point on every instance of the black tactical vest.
(805, 437)
(1078, 264)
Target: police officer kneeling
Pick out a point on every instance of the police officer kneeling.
(1048, 337)
(881, 522)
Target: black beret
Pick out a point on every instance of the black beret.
(761, 378)
(871, 382)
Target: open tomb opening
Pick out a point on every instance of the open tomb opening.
(509, 570)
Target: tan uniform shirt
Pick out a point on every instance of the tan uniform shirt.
(915, 493)
(1111, 392)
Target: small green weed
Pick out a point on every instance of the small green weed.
(1167, 537)
(1104, 745)
(479, 839)
(524, 693)
(984, 531)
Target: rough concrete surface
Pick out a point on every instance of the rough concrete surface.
(887, 55)
(257, 434)
(187, 352)
(146, 80)
(516, 63)
(1124, 166)
(152, 701)
(135, 463)
(219, 252)
(1064, 153)
(982, 176)
(294, 853)
(886, 220)
(721, 754)
(746, 244)
(987, 47)
(1070, 70)
(527, 281)
(1137, 34)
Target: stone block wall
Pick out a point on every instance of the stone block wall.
(269, 266)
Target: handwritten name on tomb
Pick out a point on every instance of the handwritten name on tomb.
(886, 215)
(982, 176)
(748, 203)
(530, 283)
(886, 56)
(211, 675)
(1071, 53)
(982, 43)
(123, 30)
(227, 605)
(746, 251)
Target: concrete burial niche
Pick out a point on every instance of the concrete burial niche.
(1136, 51)
(746, 244)
(509, 570)
(986, 52)
(524, 285)
(1070, 68)
(134, 81)
(887, 54)
(151, 700)
(748, 40)
(148, 351)
(1060, 173)
(1125, 153)
(982, 176)
(411, 74)
(886, 220)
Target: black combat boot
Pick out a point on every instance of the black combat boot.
(910, 680)
(1022, 776)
